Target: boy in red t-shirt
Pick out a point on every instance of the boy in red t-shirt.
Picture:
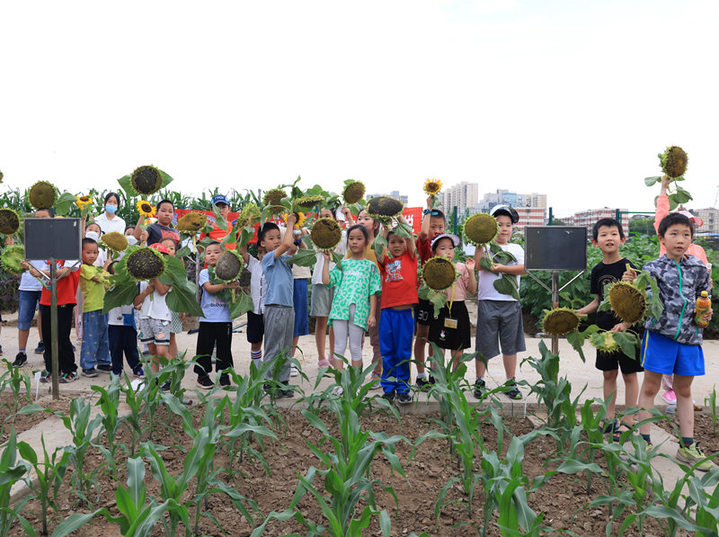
(68, 276)
(396, 323)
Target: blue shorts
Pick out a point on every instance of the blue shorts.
(661, 354)
(26, 308)
(300, 301)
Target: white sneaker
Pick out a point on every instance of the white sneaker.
(294, 372)
(337, 391)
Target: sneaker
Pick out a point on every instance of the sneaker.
(692, 455)
(337, 391)
(205, 383)
(224, 379)
(166, 386)
(1, 350)
(89, 373)
(479, 388)
(424, 382)
(404, 398)
(286, 392)
(66, 378)
(294, 372)
(104, 368)
(45, 376)
(374, 382)
(40, 348)
(670, 397)
(511, 390)
(20, 359)
(389, 396)
(323, 364)
(139, 373)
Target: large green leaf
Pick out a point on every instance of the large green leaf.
(166, 179)
(507, 285)
(181, 299)
(650, 181)
(122, 293)
(241, 304)
(64, 203)
(126, 185)
(304, 258)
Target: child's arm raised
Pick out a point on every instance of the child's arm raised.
(662, 203)
(348, 215)
(424, 232)
(160, 287)
(326, 268)
(381, 257)
(140, 298)
(137, 232)
(244, 254)
(287, 244)
(472, 285)
(411, 245)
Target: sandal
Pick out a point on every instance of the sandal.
(619, 428)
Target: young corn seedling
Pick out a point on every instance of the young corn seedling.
(711, 402)
(133, 421)
(49, 473)
(12, 470)
(551, 390)
(16, 381)
(108, 403)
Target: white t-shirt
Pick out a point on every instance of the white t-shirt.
(486, 290)
(214, 309)
(341, 249)
(258, 286)
(121, 316)
(28, 282)
(154, 306)
(107, 226)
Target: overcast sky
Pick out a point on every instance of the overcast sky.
(570, 98)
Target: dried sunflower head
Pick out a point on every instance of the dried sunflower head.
(145, 263)
(192, 222)
(480, 229)
(628, 302)
(146, 180)
(307, 202)
(273, 200)
(11, 258)
(604, 341)
(326, 234)
(353, 192)
(439, 273)
(674, 161)
(432, 186)
(9, 222)
(560, 321)
(228, 266)
(83, 201)
(114, 241)
(145, 209)
(42, 195)
(384, 208)
(249, 215)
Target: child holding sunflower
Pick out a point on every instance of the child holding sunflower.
(161, 229)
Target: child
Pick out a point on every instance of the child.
(258, 287)
(433, 223)
(279, 314)
(161, 229)
(215, 324)
(30, 289)
(372, 227)
(672, 343)
(396, 326)
(155, 317)
(300, 280)
(93, 282)
(175, 318)
(608, 236)
(356, 283)
(451, 328)
(321, 300)
(122, 336)
(662, 209)
(499, 316)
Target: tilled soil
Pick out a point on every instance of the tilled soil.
(10, 419)
(563, 499)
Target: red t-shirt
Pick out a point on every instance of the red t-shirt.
(399, 281)
(424, 250)
(66, 288)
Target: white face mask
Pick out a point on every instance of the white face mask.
(131, 240)
(92, 235)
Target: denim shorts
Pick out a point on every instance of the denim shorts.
(26, 309)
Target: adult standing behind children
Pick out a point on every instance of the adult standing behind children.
(108, 220)
(279, 313)
(499, 316)
(160, 229)
(608, 236)
(672, 343)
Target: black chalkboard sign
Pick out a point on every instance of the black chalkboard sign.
(57, 238)
(555, 248)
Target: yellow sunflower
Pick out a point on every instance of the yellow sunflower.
(300, 219)
(432, 186)
(145, 209)
(83, 201)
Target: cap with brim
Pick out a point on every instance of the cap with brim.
(453, 238)
(698, 222)
(505, 210)
(160, 248)
(220, 198)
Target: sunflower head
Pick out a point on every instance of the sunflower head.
(11, 258)
(560, 321)
(604, 341)
(9, 222)
(146, 180)
(145, 264)
(674, 161)
(42, 195)
(250, 214)
(273, 200)
(307, 202)
(192, 222)
(384, 208)
(114, 241)
(480, 229)
(326, 234)
(229, 266)
(432, 186)
(300, 219)
(439, 273)
(353, 192)
(145, 209)
(628, 302)
(83, 201)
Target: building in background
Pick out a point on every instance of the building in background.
(710, 217)
(394, 194)
(589, 217)
(463, 196)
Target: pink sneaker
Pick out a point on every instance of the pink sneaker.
(375, 382)
(323, 364)
(670, 397)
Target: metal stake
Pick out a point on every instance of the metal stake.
(53, 330)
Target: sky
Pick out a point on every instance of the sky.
(569, 98)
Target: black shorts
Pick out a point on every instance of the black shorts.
(255, 328)
(611, 361)
(451, 338)
(424, 312)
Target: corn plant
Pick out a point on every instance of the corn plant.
(83, 430)
(12, 471)
(711, 401)
(15, 381)
(108, 403)
(50, 473)
(132, 421)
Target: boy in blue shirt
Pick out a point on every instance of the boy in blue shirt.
(279, 313)
(215, 324)
(672, 343)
